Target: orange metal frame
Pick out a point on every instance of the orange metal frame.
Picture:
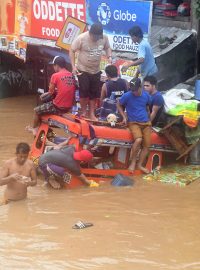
(82, 128)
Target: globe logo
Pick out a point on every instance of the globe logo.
(103, 13)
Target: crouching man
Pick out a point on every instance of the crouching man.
(137, 104)
(59, 163)
(18, 173)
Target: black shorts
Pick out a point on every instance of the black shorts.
(89, 85)
(49, 108)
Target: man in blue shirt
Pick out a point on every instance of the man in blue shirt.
(136, 103)
(157, 101)
(145, 59)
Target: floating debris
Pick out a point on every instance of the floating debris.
(178, 175)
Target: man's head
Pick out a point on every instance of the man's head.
(111, 71)
(149, 84)
(136, 86)
(22, 151)
(58, 63)
(96, 32)
(136, 34)
(83, 155)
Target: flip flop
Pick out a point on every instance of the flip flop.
(82, 225)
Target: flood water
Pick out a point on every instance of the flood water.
(146, 227)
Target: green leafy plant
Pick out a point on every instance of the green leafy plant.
(197, 8)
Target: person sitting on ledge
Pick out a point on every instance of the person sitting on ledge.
(137, 104)
(62, 85)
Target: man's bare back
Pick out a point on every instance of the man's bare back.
(18, 173)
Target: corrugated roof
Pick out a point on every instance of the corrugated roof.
(156, 32)
(170, 32)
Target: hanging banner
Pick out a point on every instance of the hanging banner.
(128, 75)
(20, 49)
(117, 17)
(14, 45)
(10, 41)
(7, 17)
(48, 16)
(23, 17)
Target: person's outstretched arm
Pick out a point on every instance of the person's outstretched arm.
(72, 54)
(120, 109)
(84, 179)
(109, 55)
(103, 93)
(33, 180)
(155, 110)
(108, 50)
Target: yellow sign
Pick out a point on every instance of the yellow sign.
(72, 28)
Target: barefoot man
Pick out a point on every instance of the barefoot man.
(18, 173)
(89, 47)
(137, 104)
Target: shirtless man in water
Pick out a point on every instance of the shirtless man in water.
(18, 173)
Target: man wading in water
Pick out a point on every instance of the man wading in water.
(18, 173)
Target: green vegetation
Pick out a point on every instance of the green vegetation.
(197, 8)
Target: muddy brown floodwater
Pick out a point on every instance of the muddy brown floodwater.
(147, 227)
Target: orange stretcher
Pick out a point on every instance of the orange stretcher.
(86, 133)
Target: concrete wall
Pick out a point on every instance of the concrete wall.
(177, 65)
(15, 76)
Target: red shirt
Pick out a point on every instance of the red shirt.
(65, 87)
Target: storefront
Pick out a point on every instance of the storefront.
(29, 30)
(28, 33)
(175, 13)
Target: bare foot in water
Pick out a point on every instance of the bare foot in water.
(143, 169)
(54, 183)
(31, 130)
(131, 168)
